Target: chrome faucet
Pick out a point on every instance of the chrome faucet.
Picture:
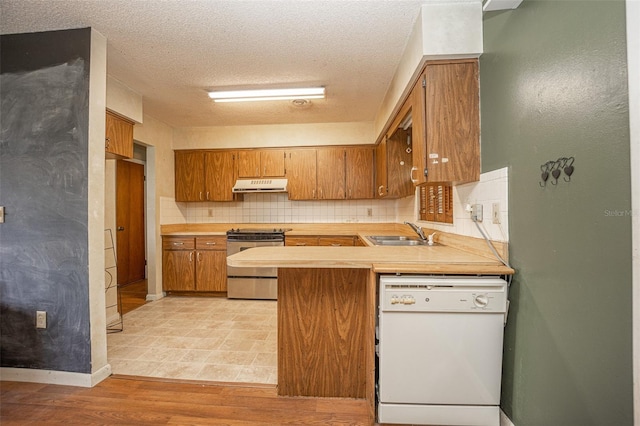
(417, 229)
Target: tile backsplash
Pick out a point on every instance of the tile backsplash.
(277, 208)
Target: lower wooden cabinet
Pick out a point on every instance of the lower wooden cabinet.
(194, 263)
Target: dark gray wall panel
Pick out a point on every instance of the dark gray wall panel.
(553, 84)
(43, 185)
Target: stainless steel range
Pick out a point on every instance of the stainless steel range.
(252, 283)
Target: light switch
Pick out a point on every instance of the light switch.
(1, 214)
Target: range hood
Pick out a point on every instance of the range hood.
(260, 185)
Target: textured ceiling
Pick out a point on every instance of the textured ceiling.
(172, 51)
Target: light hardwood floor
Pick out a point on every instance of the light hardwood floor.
(135, 401)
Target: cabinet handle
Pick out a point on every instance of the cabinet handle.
(200, 196)
(120, 228)
(336, 245)
(210, 243)
(381, 190)
(301, 244)
(199, 257)
(177, 244)
(107, 142)
(207, 195)
(313, 193)
(414, 169)
(190, 256)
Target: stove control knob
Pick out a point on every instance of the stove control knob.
(481, 300)
(394, 300)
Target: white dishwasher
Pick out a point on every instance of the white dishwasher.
(440, 349)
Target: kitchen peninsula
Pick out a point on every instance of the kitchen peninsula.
(327, 298)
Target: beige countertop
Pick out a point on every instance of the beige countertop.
(457, 254)
(423, 259)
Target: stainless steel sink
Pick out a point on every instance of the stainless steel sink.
(397, 240)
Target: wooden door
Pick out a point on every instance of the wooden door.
(178, 270)
(189, 176)
(118, 136)
(452, 122)
(248, 164)
(301, 174)
(130, 235)
(418, 135)
(211, 270)
(399, 165)
(220, 175)
(272, 163)
(359, 173)
(331, 173)
(381, 169)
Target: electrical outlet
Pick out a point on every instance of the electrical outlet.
(369, 212)
(210, 212)
(41, 319)
(495, 212)
(476, 212)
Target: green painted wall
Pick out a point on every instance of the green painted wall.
(553, 84)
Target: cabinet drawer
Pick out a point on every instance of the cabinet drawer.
(178, 243)
(214, 242)
(301, 241)
(335, 241)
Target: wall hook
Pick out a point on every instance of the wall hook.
(568, 169)
(545, 174)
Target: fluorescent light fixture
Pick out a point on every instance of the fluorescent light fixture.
(267, 94)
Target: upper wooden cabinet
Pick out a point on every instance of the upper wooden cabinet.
(118, 141)
(301, 173)
(261, 163)
(204, 175)
(345, 173)
(446, 123)
(331, 173)
(359, 173)
(393, 166)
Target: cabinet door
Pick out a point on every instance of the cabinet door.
(331, 173)
(452, 122)
(399, 165)
(301, 241)
(248, 164)
(418, 135)
(189, 176)
(335, 241)
(220, 175)
(211, 270)
(381, 169)
(359, 173)
(301, 174)
(178, 270)
(272, 162)
(118, 136)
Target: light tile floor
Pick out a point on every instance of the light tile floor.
(198, 338)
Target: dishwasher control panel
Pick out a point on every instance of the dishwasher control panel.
(443, 294)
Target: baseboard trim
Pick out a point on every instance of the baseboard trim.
(154, 297)
(53, 377)
(504, 420)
